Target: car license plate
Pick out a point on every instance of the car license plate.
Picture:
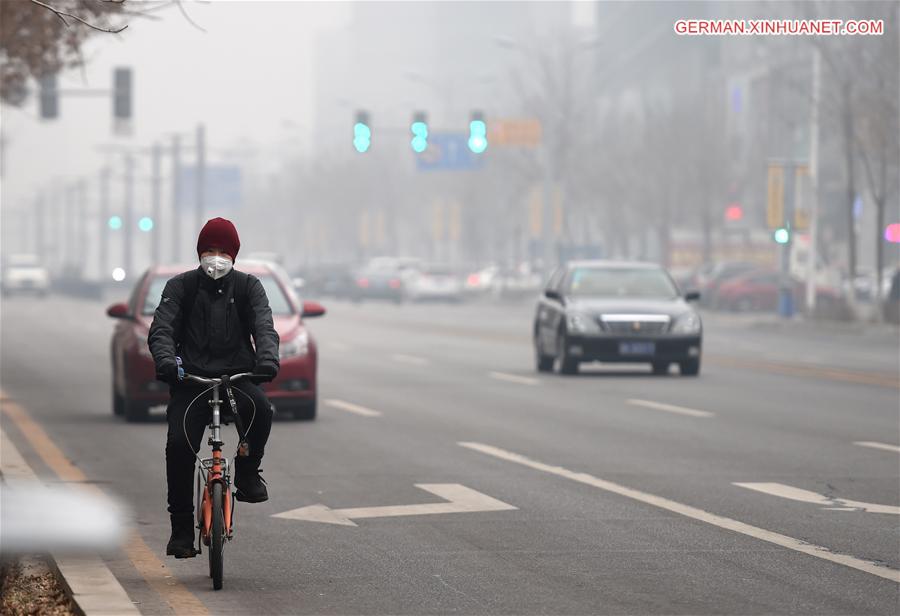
(637, 348)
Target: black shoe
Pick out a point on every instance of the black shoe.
(251, 488)
(181, 543)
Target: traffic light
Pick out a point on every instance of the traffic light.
(122, 93)
(782, 235)
(362, 132)
(115, 222)
(477, 133)
(145, 224)
(419, 130)
(49, 97)
(734, 212)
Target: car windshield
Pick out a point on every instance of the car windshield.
(620, 282)
(277, 299)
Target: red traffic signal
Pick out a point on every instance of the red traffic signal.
(734, 212)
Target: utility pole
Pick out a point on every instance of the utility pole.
(201, 175)
(103, 251)
(128, 222)
(813, 255)
(40, 239)
(176, 193)
(155, 201)
(81, 213)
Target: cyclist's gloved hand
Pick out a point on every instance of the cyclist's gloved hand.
(268, 371)
(179, 373)
(171, 373)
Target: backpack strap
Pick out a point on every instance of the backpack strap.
(242, 299)
(191, 284)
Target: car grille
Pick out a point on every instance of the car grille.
(616, 324)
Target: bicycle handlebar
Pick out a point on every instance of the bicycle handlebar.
(218, 381)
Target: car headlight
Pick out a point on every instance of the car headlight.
(688, 323)
(297, 346)
(578, 323)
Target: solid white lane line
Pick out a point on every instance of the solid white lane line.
(352, 408)
(513, 378)
(875, 445)
(670, 408)
(410, 359)
(693, 513)
(807, 496)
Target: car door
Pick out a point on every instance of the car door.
(549, 313)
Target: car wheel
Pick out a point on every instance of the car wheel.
(567, 365)
(542, 363)
(660, 367)
(306, 412)
(690, 367)
(135, 411)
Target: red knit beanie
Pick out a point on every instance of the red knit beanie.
(219, 233)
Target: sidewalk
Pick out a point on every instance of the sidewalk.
(85, 579)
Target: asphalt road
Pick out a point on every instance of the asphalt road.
(617, 489)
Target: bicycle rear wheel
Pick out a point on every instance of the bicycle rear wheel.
(217, 536)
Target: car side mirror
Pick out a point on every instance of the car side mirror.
(312, 309)
(692, 296)
(551, 294)
(118, 311)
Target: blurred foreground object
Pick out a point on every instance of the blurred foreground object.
(36, 519)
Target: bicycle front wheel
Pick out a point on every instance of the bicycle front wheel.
(217, 535)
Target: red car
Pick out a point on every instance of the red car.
(758, 291)
(134, 385)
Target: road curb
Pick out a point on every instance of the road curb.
(87, 581)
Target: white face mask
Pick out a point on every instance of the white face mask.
(216, 267)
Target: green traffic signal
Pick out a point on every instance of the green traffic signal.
(115, 222)
(419, 130)
(782, 235)
(145, 224)
(362, 133)
(477, 133)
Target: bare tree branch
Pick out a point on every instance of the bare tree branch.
(63, 14)
(188, 17)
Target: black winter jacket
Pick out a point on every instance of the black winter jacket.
(216, 341)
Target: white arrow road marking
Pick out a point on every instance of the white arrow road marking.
(875, 445)
(352, 408)
(513, 378)
(805, 496)
(692, 512)
(670, 408)
(410, 359)
(461, 500)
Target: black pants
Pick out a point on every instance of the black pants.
(180, 448)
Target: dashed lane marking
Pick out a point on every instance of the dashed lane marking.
(670, 408)
(514, 378)
(874, 445)
(410, 359)
(790, 543)
(352, 408)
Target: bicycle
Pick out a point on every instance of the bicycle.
(215, 499)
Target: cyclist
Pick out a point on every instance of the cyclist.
(203, 325)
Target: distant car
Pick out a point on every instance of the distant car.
(331, 280)
(758, 290)
(24, 273)
(611, 311)
(433, 282)
(134, 385)
(708, 278)
(383, 278)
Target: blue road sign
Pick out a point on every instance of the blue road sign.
(448, 152)
(222, 189)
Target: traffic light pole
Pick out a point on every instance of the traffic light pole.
(103, 251)
(128, 222)
(813, 256)
(155, 201)
(785, 287)
(201, 175)
(176, 192)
